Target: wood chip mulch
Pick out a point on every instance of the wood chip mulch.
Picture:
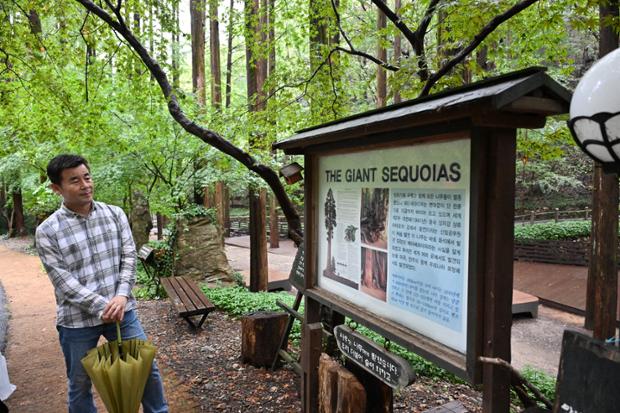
(203, 372)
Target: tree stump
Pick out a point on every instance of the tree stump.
(339, 390)
(328, 384)
(260, 337)
(351, 394)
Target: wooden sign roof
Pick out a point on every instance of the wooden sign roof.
(520, 99)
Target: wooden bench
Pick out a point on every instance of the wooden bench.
(187, 299)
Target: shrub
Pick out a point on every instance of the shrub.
(563, 230)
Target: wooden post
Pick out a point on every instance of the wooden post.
(274, 224)
(602, 287)
(330, 320)
(258, 242)
(312, 341)
(497, 148)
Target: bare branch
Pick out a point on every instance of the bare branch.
(206, 135)
(478, 38)
(519, 378)
(400, 25)
(370, 57)
(420, 34)
(426, 19)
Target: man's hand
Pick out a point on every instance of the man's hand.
(114, 310)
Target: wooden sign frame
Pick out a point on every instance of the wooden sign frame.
(488, 113)
(463, 365)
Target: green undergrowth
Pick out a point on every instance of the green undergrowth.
(542, 381)
(238, 301)
(563, 230)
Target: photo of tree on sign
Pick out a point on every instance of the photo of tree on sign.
(374, 273)
(330, 223)
(374, 215)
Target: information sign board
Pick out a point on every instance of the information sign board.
(393, 234)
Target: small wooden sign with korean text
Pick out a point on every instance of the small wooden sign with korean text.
(391, 369)
(296, 277)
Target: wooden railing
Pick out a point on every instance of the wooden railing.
(240, 225)
(553, 215)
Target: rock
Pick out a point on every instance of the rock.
(200, 248)
(140, 219)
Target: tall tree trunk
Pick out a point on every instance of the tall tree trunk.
(197, 22)
(602, 287)
(176, 44)
(229, 53)
(18, 227)
(4, 214)
(318, 43)
(382, 55)
(214, 42)
(274, 227)
(151, 37)
(397, 51)
(256, 70)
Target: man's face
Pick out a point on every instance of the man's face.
(76, 186)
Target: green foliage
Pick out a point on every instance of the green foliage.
(238, 301)
(421, 366)
(542, 381)
(164, 254)
(562, 230)
(147, 287)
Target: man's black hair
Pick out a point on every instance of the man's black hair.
(62, 162)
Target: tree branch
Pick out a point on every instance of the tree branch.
(370, 57)
(400, 25)
(206, 135)
(352, 51)
(420, 34)
(478, 38)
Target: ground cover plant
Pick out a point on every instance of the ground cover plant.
(563, 230)
(237, 301)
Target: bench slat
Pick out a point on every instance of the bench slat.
(194, 302)
(200, 299)
(171, 288)
(186, 296)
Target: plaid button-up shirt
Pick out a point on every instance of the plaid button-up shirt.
(89, 260)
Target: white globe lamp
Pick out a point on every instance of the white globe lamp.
(595, 112)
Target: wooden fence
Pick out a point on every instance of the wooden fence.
(240, 225)
(553, 215)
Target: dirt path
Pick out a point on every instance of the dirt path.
(33, 354)
(34, 358)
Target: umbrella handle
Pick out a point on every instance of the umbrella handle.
(118, 339)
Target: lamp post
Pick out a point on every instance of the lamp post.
(595, 112)
(595, 126)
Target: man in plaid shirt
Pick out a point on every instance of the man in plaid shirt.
(88, 252)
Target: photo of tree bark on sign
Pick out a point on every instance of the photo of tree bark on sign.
(374, 216)
(330, 223)
(374, 273)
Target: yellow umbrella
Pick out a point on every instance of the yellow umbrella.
(120, 379)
